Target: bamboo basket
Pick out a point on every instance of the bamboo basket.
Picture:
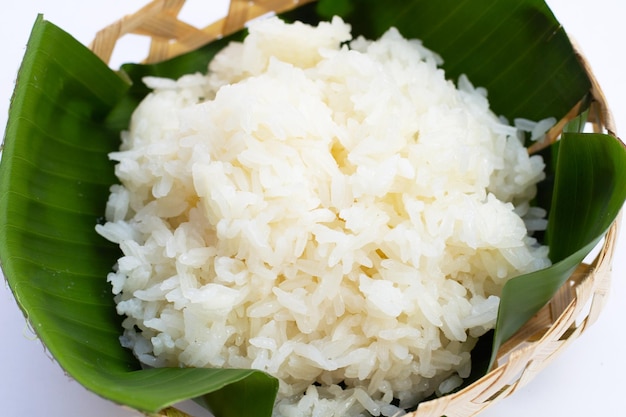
(576, 305)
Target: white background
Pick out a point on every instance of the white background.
(584, 381)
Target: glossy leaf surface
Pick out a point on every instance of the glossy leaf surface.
(66, 117)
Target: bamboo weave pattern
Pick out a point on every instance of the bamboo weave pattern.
(576, 306)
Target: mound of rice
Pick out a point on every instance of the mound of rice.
(336, 214)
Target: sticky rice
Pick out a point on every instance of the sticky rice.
(330, 210)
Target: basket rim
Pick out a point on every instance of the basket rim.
(591, 283)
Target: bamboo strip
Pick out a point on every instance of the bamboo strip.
(576, 306)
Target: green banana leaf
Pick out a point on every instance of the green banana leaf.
(69, 108)
(54, 179)
(589, 191)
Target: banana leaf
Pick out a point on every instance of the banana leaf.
(67, 113)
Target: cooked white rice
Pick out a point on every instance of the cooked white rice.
(342, 217)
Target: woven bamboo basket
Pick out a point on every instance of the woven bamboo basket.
(573, 309)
